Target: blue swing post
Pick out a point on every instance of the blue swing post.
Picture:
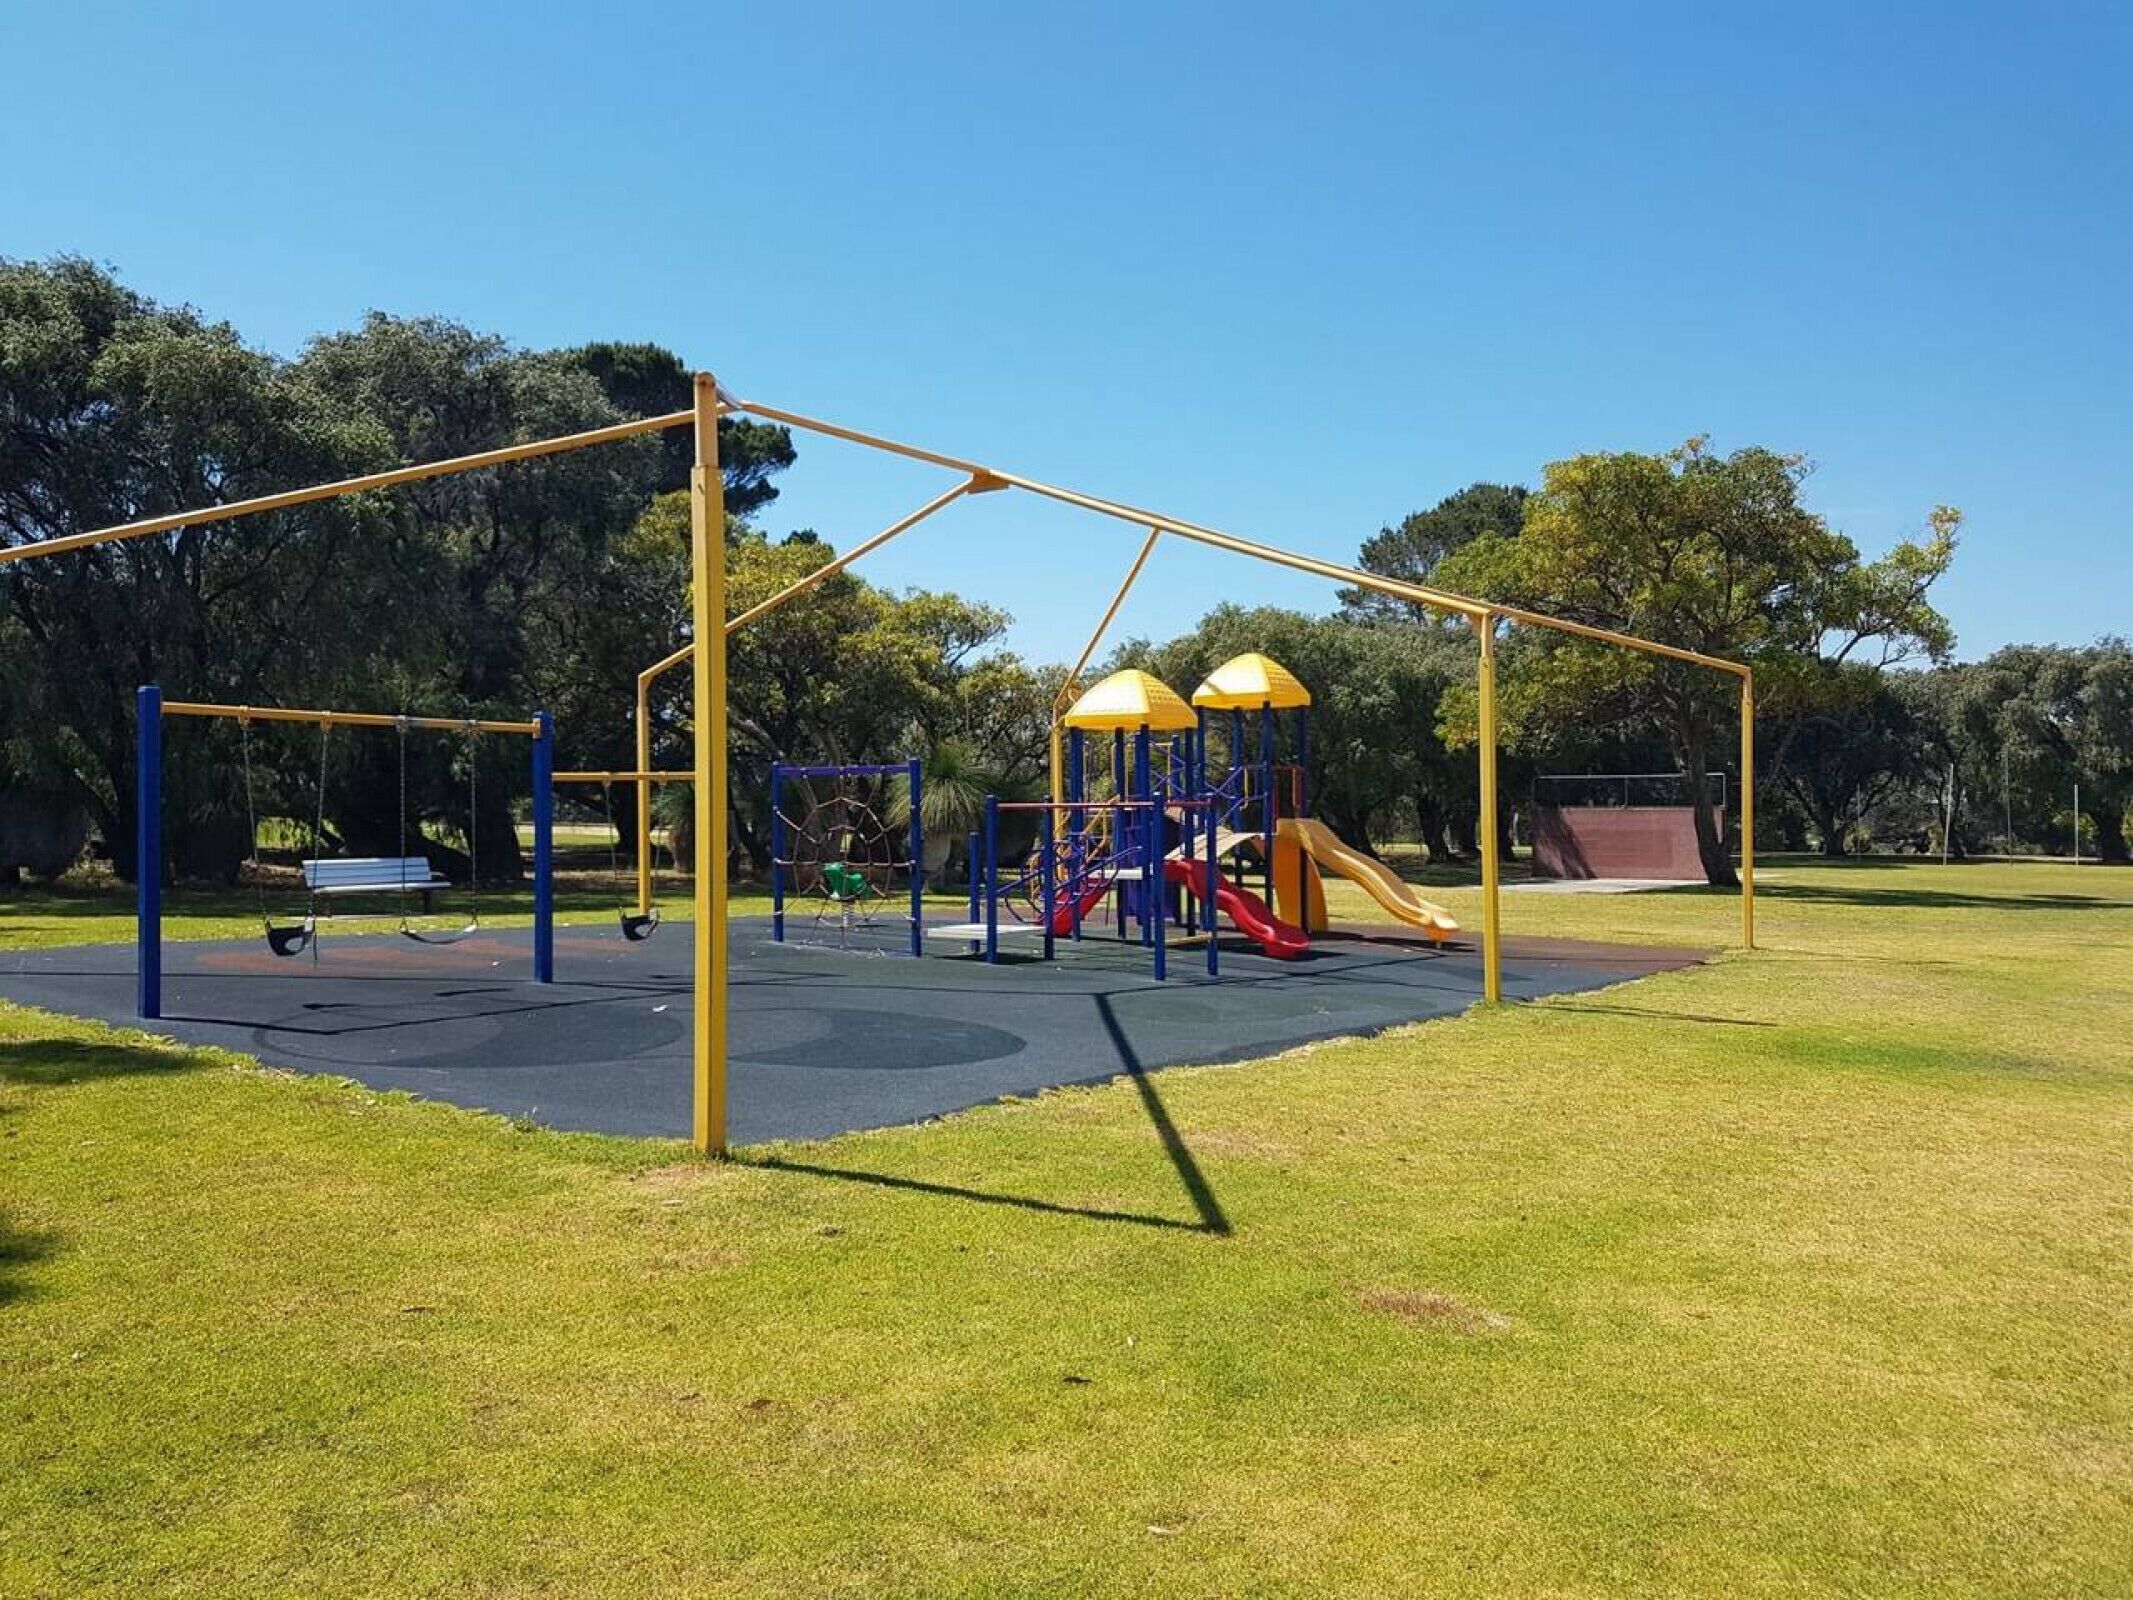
(148, 851)
(1271, 803)
(777, 852)
(918, 861)
(1046, 862)
(1214, 882)
(1151, 861)
(1156, 888)
(1078, 819)
(992, 879)
(1303, 761)
(543, 848)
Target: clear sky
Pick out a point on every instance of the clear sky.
(1292, 270)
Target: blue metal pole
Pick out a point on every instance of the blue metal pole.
(1266, 767)
(1207, 906)
(1158, 888)
(1303, 762)
(1045, 863)
(777, 852)
(544, 850)
(992, 878)
(148, 850)
(1150, 863)
(918, 863)
(1237, 764)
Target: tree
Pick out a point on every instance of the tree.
(2067, 715)
(114, 408)
(502, 566)
(1706, 552)
(1863, 742)
(644, 380)
(1412, 551)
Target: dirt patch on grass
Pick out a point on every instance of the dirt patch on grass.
(1433, 1308)
(702, 1258)
(1241, 1144)
(678, 1179)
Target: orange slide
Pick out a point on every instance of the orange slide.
(1283, 940)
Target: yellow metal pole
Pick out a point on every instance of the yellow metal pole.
(707, 555)
(1491, 910)
(1747, 810)
(829, 569)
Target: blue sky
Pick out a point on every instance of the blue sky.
(1290, 270)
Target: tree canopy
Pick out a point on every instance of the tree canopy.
(1707, 552)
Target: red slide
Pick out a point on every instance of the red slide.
(1283, 940)
(1063, 916)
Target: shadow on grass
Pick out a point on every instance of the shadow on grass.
(950, 1191)
(1653, 1014)
(1936, 899)
(1211, 1218)
(20, 1250)
(51, 1063)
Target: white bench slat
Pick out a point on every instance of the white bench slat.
(372, 875)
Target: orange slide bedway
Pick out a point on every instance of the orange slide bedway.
(1304, 847)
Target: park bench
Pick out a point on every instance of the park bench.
(374, 875)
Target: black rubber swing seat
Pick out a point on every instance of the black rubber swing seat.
(638, 926)
(292, 939)
(441, 935)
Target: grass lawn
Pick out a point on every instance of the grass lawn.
(1809, 1272)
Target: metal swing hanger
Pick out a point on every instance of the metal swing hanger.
(471, 727)
(285, 938)
(637, 925)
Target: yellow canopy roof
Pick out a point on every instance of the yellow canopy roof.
(1249, 681)
(1131, 700)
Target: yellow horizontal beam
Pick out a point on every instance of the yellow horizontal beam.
(327, 491)
(622, 777)
(1436, 599)
(1627, 641)
(346, 719)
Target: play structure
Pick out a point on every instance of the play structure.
(1165, 816)
(832, 853)
(333, 884)
(710, 626)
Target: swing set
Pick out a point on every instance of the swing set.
(327, 878)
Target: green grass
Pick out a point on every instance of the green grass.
(1809, 1272)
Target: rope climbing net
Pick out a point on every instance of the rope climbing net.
(836, 854)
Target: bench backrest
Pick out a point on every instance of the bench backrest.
(369, 872)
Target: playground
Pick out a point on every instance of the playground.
(825, 1041)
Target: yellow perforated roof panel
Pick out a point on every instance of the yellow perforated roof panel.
(1131, 700)
(1249, 681)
